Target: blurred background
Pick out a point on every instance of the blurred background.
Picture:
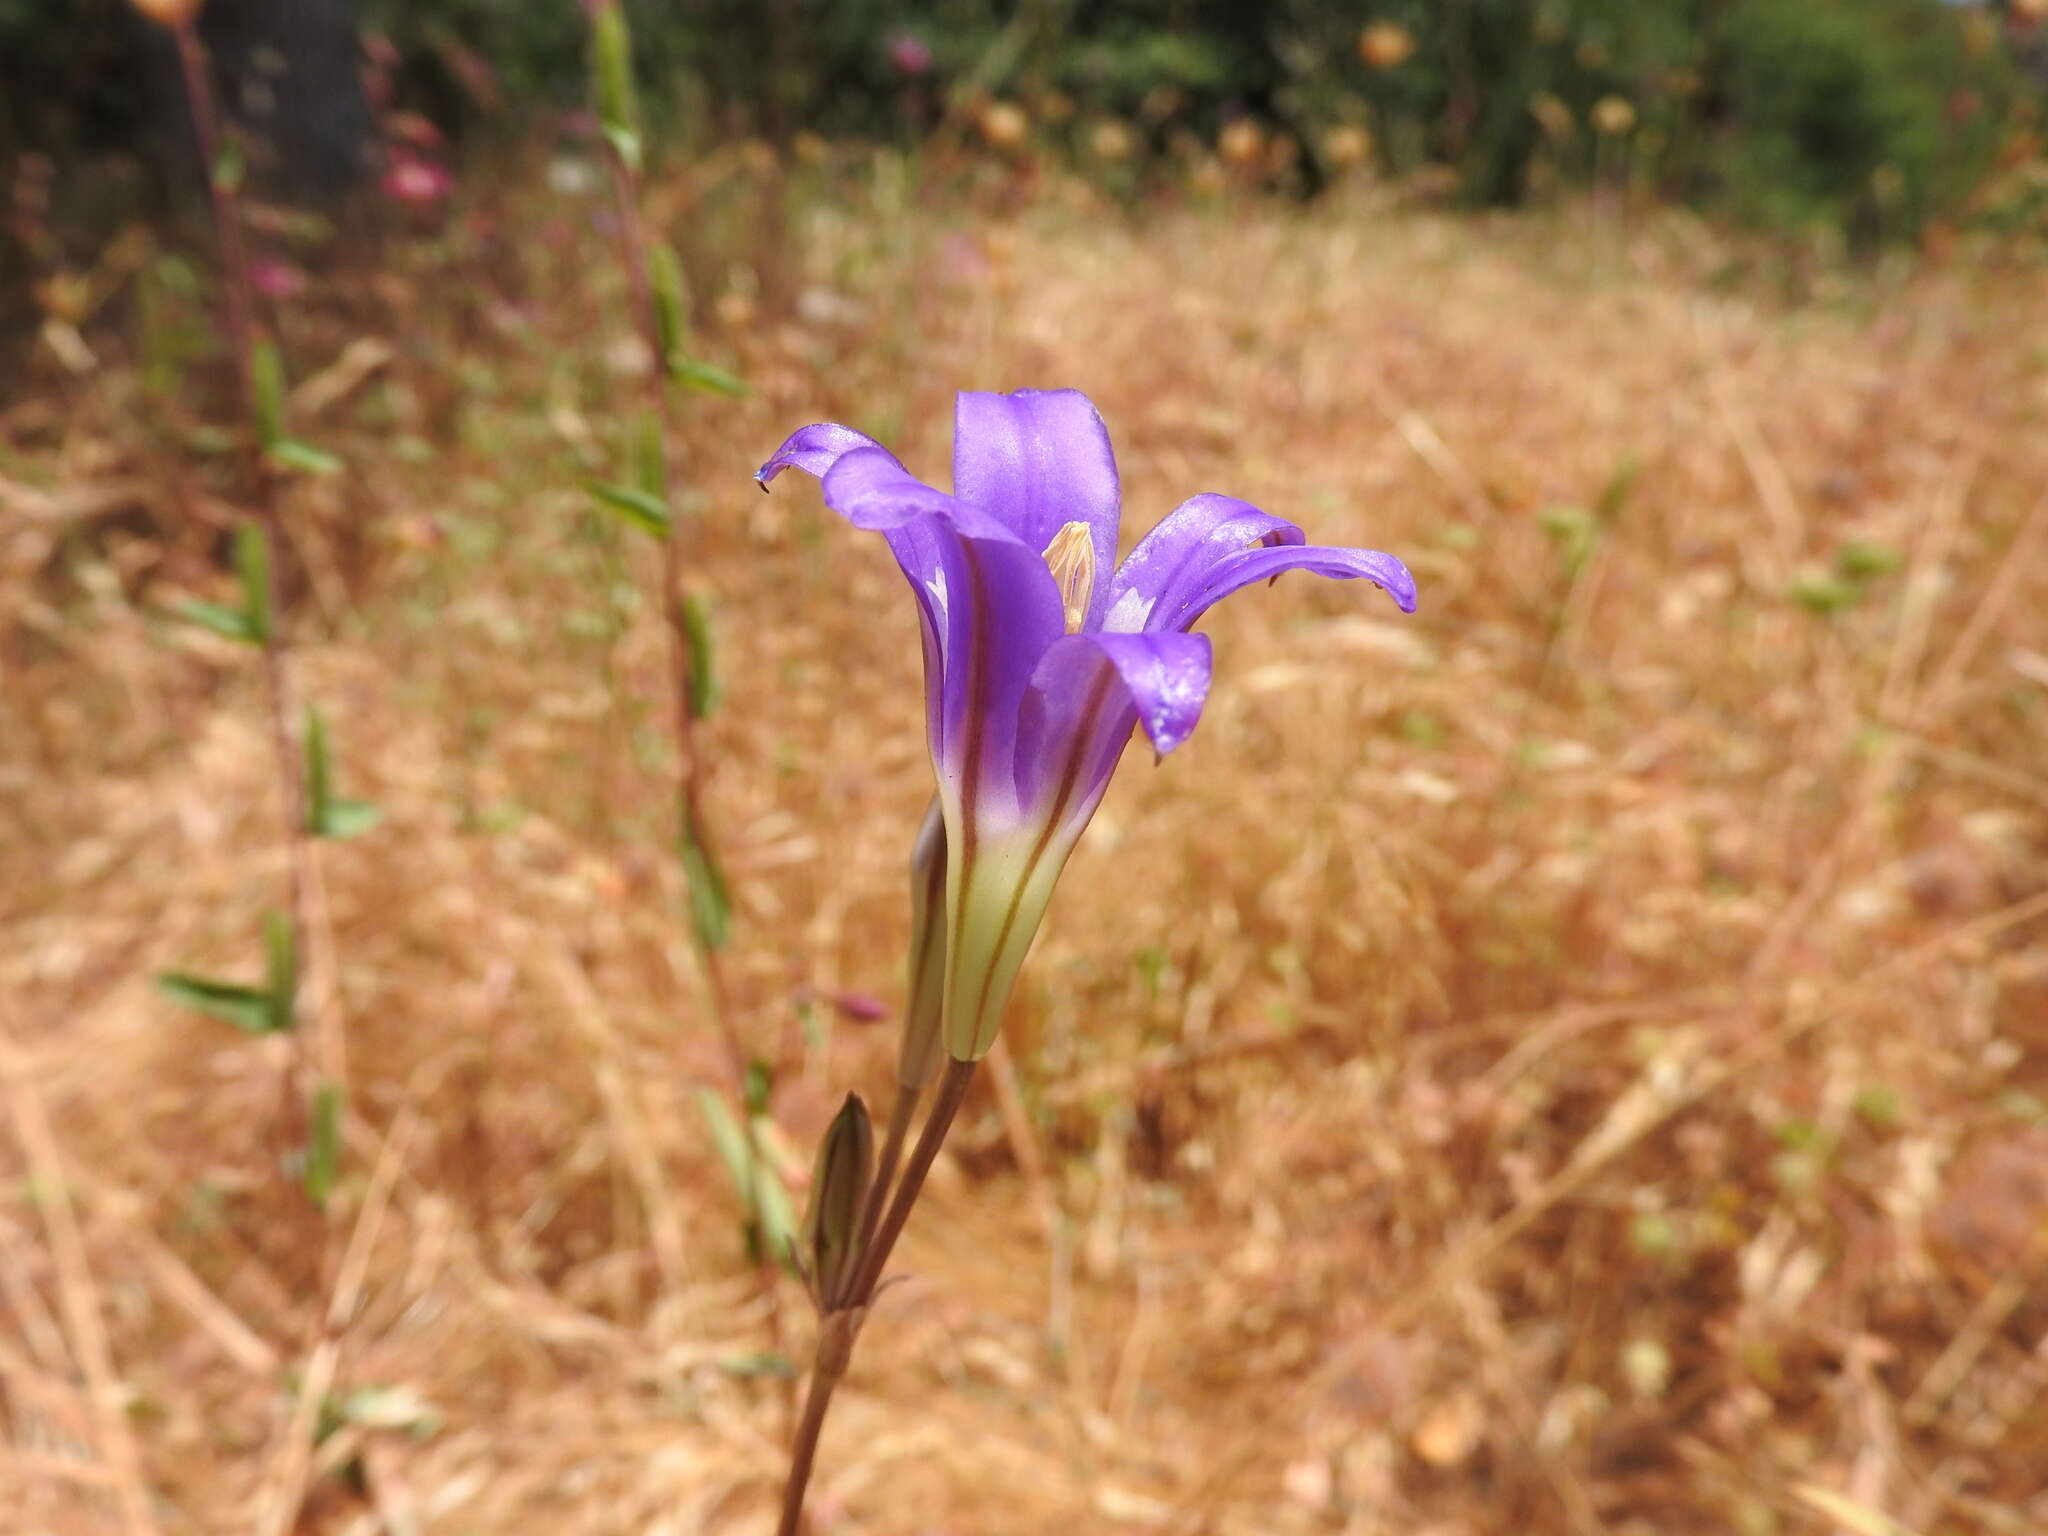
(1574, 1060)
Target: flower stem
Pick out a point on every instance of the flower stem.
(842, 1324)
(803, 1452)
(952, 1089)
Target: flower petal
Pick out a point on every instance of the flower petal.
(1226, 575)
(814, 450)
(1171, 561)
(1035, 461)
(1085, 696)
(1164, 679)
(870, 489)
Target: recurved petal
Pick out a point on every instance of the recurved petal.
(1171, 561)
(1246, 566)
(814, 450)
(870, 489)
(1164, 678)
(1035, 461)
(1084, 698)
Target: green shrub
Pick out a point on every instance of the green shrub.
(1873, 115)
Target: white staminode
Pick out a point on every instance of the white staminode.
(1127, 615)
(1071, 559)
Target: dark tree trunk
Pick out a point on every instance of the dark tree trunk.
(288, 74)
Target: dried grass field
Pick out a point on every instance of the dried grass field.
(1574, 1061)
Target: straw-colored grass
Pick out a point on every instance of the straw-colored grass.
(1572, 1061)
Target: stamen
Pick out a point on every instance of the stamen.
(1071, 559)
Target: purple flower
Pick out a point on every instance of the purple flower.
(1041, 652)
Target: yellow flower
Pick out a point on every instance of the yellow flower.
(1242, 142)
(1386, 44)
(1613, 116)
(1346, 145)
(1551, 114)
(1111, 140)
(1003, 124)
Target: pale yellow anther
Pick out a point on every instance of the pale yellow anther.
(1071, 559)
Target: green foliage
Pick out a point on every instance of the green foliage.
(266, 390)
(1873, 116)
(644, 510)
(710, 902)
(704, 691)
(327, 814)
(618, 103)
(250, 623)
(1869, 114)
(772, 1223)
(270, 1009)
(323, 1144)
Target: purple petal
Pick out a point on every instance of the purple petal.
(997, 611)
(870, 489)
(1085, 696)
(1250, 565)
(814, 450)
(1035, 461)
(1171, 562)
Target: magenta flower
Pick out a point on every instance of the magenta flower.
(909, 53)
(410, 179)
(1035, 670)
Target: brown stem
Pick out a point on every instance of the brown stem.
(803, 1452)
(842, 1322)
(328, 1058)
(227, 229)
(952, 1089)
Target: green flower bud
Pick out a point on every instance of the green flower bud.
(921, 1019)
(839, 1191)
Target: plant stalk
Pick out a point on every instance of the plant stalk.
(327, 1061)
(842, 1324)
(691, 764)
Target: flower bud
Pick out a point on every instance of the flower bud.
(170, 13)
(839, 1191)
(921, 1018)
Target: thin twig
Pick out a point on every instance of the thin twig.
(285, 1490)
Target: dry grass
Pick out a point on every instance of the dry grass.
(1575, 1061)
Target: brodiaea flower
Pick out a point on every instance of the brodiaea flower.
(1041, 652)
